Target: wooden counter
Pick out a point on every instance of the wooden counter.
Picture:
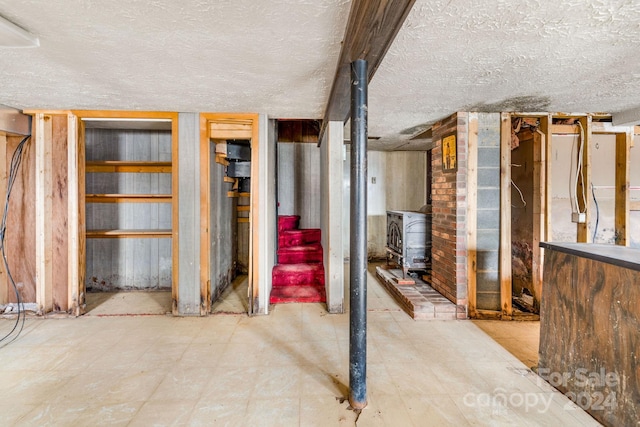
(590, 328)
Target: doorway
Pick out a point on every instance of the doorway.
(227, 192)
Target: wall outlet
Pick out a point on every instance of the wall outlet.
(579, 217)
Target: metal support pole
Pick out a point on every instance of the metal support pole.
(358, 259)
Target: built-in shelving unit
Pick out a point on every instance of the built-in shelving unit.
(129, 200)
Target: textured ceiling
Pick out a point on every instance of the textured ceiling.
(276, 57)
(501, 55)
(279, 57)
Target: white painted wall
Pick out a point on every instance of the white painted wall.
(396, 181)
(332, 221)
(299, 182)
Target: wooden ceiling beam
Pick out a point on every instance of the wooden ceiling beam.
(371, 28)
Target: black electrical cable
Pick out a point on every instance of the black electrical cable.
(595, 231)
(16, 159)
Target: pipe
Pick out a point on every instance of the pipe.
(358, 238)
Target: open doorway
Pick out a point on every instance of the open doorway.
(227, 196)
(128, 210)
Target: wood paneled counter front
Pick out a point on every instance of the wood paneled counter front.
(590, 328)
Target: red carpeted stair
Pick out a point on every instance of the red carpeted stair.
(299, 274)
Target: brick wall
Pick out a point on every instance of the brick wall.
(449, 206)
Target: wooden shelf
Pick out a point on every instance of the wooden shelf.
(127, 166)
(135, 198)
(112, 234)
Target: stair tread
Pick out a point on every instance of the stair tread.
(285, 294)
(301, 231)
(302, 248)
(300, 267)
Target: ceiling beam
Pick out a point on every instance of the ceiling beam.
(371, 28)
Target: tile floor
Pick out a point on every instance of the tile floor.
(286, 369)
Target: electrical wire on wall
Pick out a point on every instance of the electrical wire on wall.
(580, 175)
(16, 159)
(595, 230)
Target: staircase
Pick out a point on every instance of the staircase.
(299, 274)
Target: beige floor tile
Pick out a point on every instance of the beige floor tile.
(173, 412)
(434, 411)
(109, 414)
(279, 412)
(133, 385)
(49, 414)
(288, 368)
(13, 412)
(185, 383)
(324, 411)
(219, 412)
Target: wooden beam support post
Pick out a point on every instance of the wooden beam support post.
(545, 128)
(539, 211)
(505, 217)
(623, 145)
(44, 212)
(74, 230)
(371, 28)
(583, 185)
(472, 213)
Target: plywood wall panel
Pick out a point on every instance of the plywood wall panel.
(21, 223)
(60, 238)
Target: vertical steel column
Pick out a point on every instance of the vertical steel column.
(358, 258)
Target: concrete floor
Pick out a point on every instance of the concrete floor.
(286, 369)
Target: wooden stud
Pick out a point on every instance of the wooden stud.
(73, 213)
(80, 305)
(3, 195)
(175, 213)
(205, 213)
(545, 128)
(244, 220)
(229, 179)
(623, 145)
(472, 213)
(583, 185)
(44, 212)
(505, 217)
(243, 208)
(539, 209)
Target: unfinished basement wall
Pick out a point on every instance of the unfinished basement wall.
(396, 180)
(488, 212)
(449, 207)
(602, 147)
(522, 214)
(223, 229)
(299, 182)
(20, 243)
